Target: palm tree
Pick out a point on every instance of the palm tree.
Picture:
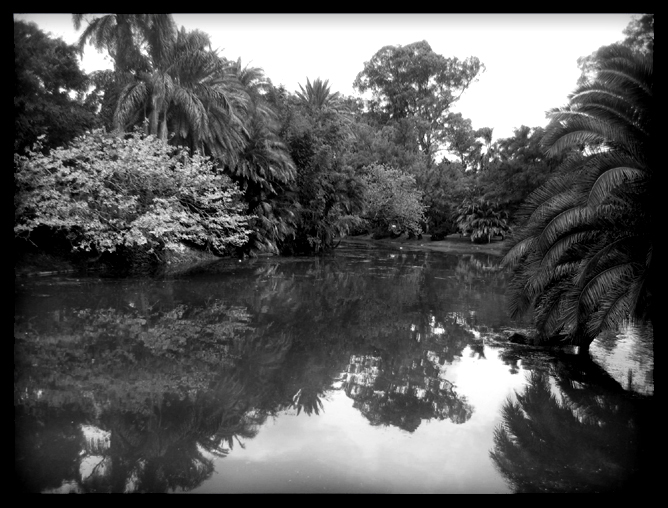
(189, 91)
(582, 259)
(264, 169)
(124, 37)
(577, 441)
(172, 79)
(324, 105)
(119, 34)
(318, 95)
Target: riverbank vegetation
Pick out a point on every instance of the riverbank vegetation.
(583, 258)
(181, 147)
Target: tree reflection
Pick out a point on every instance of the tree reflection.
(403, 394)
(573, 431)
(177, 373)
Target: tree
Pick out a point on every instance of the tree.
(583, 258)
(640, 33)
(122, 35)
(108, 192)
(263, 168)
(189, 95)
(328, 191)
(442, 187)
(463, 141)
(171, 78)
(517, 167)
(318, 95)
(49, 90)
(189, 91)
(639, 36)
(392, 201)
(568, 443)
(414, 84)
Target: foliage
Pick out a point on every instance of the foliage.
(640, 33)
(462, 141)
(195, 98)
(392, 200)
(583, 258)
(48, 90)
(569, 443)
(263, 168)
(415, 87)
(107, 192)
(518, 166)
(639, 37)
(328, 191)
(482, 219)
(190, 91)
(317, 95)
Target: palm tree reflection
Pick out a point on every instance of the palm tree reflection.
(567, 434)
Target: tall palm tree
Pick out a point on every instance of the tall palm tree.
(189, 91)
(583, 259)
(171, 78)
(323, 104)
(318, 94)
(264, 169)
(124, 35)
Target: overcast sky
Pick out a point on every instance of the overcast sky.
(531, 59)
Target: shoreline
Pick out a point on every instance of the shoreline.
(452, 244)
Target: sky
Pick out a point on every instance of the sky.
(530, 59)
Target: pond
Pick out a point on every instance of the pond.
(371, 370)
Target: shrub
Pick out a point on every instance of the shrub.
(481, 220)
(393, 203)
(108, 193)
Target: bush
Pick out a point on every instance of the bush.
(393, 204)
(135, 193)
(481, 220)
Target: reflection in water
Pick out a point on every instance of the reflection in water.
(402, 395)
(577, 436)
(143, 386)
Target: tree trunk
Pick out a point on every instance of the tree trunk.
(163, 127)
(153, 120)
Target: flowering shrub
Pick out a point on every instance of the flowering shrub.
(106, 191)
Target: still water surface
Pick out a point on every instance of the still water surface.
(371, 370)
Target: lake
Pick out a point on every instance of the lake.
(370, 370)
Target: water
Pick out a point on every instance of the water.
(369, 371)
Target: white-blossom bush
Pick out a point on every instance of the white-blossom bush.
(107, 191)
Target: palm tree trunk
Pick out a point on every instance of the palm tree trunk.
(153, 120)
(163, 127)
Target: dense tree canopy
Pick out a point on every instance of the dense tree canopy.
(415, 87)
(329, 191)
(49, 90)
